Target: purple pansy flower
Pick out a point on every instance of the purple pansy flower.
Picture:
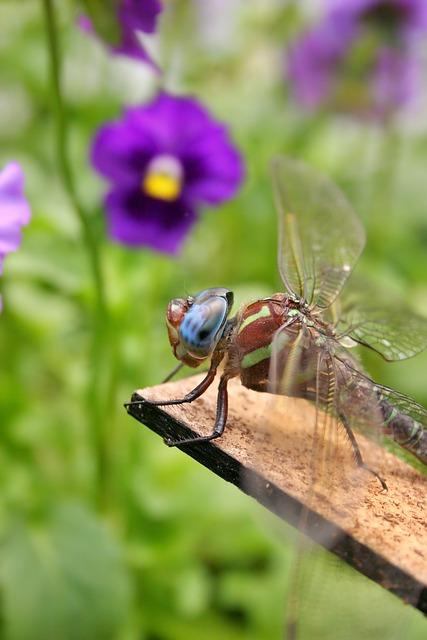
(133, 16)
(361, 57)
(163, 160)
(14, 210)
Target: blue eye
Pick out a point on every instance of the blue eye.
(202, 325)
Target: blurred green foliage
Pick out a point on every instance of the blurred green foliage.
(106, 533)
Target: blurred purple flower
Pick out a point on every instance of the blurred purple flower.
(163, 160)
(133, 16)
(361, 57)
(14, 209)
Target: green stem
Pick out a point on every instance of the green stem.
(62, 152)
(100, 319)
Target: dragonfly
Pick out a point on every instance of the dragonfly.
(300, 342)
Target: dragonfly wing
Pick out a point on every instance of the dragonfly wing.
(303, 366)
(343, 399)
(334, 486)
(396, 334)
(320, 236)
(396, 414)
(337, 602)
(403, 403)
(309, 441)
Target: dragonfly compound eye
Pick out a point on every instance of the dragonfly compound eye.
(202, 325)
(195, 324)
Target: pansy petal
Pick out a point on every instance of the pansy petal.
(14, 209)
(131, 47)
(13, 204)
(184, 128)
(85, 23)
(10, 233)
(133, 16)
(136, 220)
(173, 121)
(320, 63)
(413, 12)
(120, 154)
(171, 156)
(313, 59)
(388, 93)
(139, 15)
(214, 169)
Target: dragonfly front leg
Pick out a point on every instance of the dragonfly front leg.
(191, 395)
(357, 454)
(220, 419)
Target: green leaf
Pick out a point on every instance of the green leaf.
(63, 578)
(103, 14)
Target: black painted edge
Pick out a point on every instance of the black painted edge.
(354, 553)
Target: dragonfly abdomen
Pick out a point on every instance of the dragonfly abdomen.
(405, 431)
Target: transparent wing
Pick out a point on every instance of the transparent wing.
(351, 413)
(394, 333)
(397, 415)
(320, 237)
(300, 420)
(405, 405)
(337, 602)
(402, 402)
(302, 366)
(312, 394)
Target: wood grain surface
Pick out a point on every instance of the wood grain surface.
(267, 451)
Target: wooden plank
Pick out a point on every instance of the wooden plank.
(383, 535)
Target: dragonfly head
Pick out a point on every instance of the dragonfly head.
(196, 324)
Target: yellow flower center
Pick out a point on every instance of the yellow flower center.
(163, 178)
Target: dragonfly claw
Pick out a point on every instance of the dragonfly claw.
(384, 485)
(378, 477)
(176, 443)
(134, 403)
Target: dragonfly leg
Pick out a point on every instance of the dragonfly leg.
(191, 395)
(173, 372)
(220, 419)
(357, 455)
